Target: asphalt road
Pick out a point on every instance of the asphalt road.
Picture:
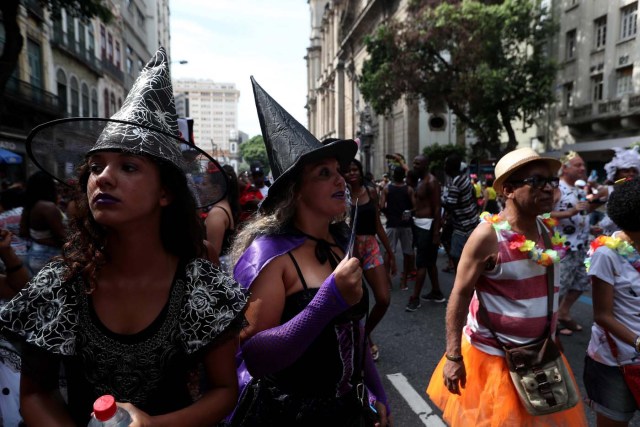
(411, 344)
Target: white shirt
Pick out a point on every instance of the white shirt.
(576, 228)
(615, 270)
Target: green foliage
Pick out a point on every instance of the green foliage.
(254, 150)
(86, 9)
(438, 153)
(485, 60)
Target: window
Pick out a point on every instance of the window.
(106, 103)
(112, 103)
(141, 19)
(568, 95)
(103, 43)
(85, 100)
(624, 80)
(94, 103)
(34, 53)
(570, 45)
(597, 87)
(82, 38)
(75, 97)
(129, 65)
(118, 54)
(91, 41)
(61, 84)
(629, 21)
(600, 32)
(71, 30)
(110, 48)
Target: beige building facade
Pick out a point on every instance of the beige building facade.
(214, 109)
(598, 86)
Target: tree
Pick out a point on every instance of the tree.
(437, 154)
(14, 41)
(487, 61)
(254, 150)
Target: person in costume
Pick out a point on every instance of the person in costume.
(613, 266)
(131, 308)
(222, 219)
(625, 164)
(304, 345)
(503, 271)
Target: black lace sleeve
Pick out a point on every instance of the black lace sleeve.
(213, 306)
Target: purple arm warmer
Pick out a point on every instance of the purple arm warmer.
(274, 349)
(373, 383)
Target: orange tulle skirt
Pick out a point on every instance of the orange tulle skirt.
(489, 398)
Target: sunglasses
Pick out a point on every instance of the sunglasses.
(538, 182)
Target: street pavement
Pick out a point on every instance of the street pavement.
(411, 344)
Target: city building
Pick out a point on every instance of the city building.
(214, 110)
(71, 67)
(336, 108)
(598, 85)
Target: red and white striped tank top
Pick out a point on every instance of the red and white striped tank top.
(515, 293)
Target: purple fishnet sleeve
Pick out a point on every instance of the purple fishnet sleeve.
(274, 349)
(373, 382)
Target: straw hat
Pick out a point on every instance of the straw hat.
(515, 159)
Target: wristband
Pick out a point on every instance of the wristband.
(9, 270)
(636, 344)
(457, 358)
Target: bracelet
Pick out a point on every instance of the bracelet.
(636, 344)
(9, 270)
(457, 358)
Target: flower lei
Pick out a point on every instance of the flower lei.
(544, 257)
(622, 247)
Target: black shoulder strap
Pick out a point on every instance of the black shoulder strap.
(295, 264)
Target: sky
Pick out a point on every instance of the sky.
(230, 40)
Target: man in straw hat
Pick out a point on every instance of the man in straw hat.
(501, 290)
(572, 211)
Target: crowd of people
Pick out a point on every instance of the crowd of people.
(196, 296)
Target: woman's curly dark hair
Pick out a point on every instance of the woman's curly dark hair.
(181, 230)
(624, 204)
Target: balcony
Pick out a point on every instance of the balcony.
(113, 70)
(73, 49)
(34, 97)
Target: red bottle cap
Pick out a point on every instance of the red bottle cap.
(105, 407)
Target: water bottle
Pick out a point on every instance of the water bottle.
(582, 195)
(107, 414)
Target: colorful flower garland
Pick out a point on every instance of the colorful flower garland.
(544, 257)
(622, 247)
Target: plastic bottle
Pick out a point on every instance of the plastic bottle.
(107, 414)
(582, 195)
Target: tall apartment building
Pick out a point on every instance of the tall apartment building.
(598, 85)
(214, 110)
(71, 67)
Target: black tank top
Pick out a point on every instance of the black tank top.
(366, 225)
(319, 369)
(398, 200)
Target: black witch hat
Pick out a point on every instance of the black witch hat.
(290, 145)
(146, 124)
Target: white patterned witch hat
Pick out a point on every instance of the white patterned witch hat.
(146, 124)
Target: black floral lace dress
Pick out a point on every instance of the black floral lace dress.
(155, 369)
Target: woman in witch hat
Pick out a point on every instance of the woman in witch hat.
(130, 308)
(304, 344)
